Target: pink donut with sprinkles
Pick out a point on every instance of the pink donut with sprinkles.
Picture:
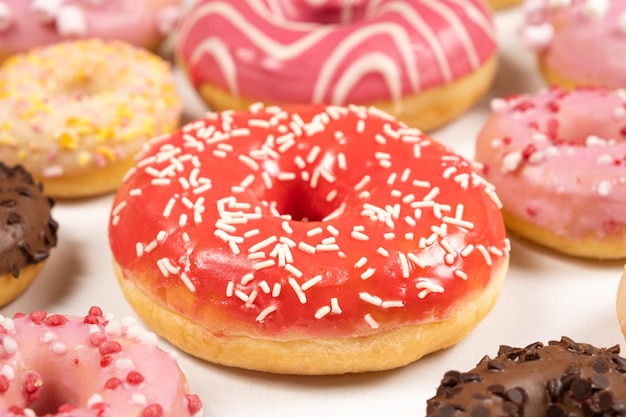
(578, 42)
(329, 239)
(25, 24)
(557, 160)
(423, 61)
(68, 366)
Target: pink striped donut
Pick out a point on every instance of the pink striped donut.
(25, 24)
(423, 61)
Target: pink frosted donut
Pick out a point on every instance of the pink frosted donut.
(578, 42)
(28, 23)
(557, 161)
(57, 365)
(422, 61)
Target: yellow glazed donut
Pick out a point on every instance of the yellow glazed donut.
(74, 114)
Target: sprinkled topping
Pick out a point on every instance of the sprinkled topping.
(298, 224)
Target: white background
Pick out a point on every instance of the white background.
(545, 296)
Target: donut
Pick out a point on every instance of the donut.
(331, 239)
(422, 61)
(503, 4)
(557, 160)
(562, 378)
(75, 113)
(25, 24)
(62, 365)
(27, 231)
(557, 31)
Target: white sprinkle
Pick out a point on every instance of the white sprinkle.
(389, 236)
(264, 264)
(604, 188)
(293, 270)
(315, 231)
(185, 279)
(361, 262)
(276, 290)
(382, 251)
(359, 236)
(481, 248)
(460, 274)
(334, 304)
(434, 192)
(416, 260)
(230, 287)
(150, 246)
(428, 287)
(286, 176)
(313, 154)
(467, 250)
(301, 295)
(370, 320)
(362, 183)
(341, 161)
(119, 207)
(322, 311)
(326, 248)
(369, 298)
(311, 282)
(123, 363)
(262, 244)
(94, 399)
(265, 312)
(404, 265)
(368, 273)
(511, 161)
(305, 247)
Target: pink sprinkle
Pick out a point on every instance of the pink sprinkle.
(37, 316)
(134, 378)
(153, 410)
(108, 347)
(194, 404)
(55, 320)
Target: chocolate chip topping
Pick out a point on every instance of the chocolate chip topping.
(27, 231)
(560, 379)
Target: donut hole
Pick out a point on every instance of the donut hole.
(324, 12)
(52, 395)
(299, 201)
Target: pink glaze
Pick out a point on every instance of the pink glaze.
(92, 366)
(582, 40)
(557, 159)
(28, 23)
(334, 51)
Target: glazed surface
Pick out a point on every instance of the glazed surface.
(562, 378)
(28, 23)
(27, 230)
(560, 30)
(61, 113)
(322, 221)
(557, 159)
(334, 52)
(95, 365)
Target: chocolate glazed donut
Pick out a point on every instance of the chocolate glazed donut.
(560, 379)
(27, 232)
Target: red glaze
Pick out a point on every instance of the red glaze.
(215, 210)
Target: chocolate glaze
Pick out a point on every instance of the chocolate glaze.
(27, 230)
(562, 379)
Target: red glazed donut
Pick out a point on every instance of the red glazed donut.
(560, 379)
(330, 239)
(67, 366)
(557, 161)
(422, 61)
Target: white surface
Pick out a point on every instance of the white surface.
(545, 296)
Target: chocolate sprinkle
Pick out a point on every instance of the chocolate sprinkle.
(27, 231)
(578, 380)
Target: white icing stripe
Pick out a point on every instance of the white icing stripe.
(261, 40)
(352, 41)
(375, 62)
(215, 47)
(477, 15)
(414, 19)
(455, 22)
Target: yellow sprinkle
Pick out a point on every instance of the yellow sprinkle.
(67, 140)
(107, 153)
(21, 155)
(84, 158)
